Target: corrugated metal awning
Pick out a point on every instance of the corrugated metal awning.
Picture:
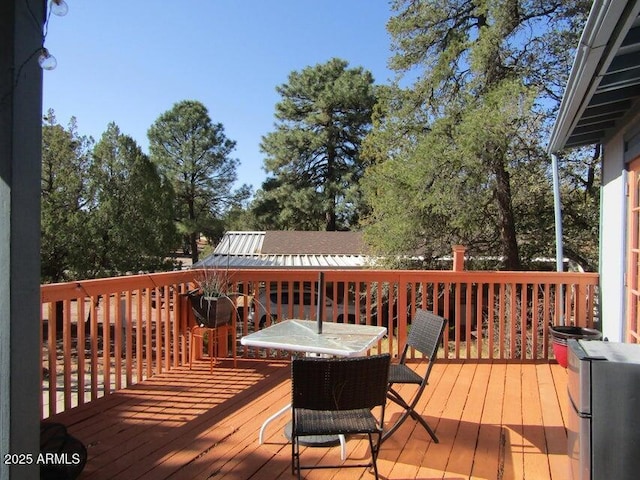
(240, 243)
(284, 261)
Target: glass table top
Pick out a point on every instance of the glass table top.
(340, 339)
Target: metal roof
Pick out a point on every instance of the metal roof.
(240, 243)
(285, 261)
(604, 84)
(245, 249)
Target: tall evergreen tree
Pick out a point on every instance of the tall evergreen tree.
(131, 221)
(468, 135)
(194, 153)
(314, 152)
(65, 161)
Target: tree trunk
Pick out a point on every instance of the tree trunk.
(330, 220)
(330, 214)
(193, 236)
(193, 240)
(506, 218)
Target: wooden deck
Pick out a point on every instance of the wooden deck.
(494, 421)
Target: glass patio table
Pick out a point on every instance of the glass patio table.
(336, 339)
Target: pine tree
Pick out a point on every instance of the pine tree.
(314, 153)
(458, 146)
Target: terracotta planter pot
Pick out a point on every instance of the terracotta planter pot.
(560, 335)
(211, 312)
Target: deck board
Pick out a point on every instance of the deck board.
(535, 449)
(495, 420)
(488, 447)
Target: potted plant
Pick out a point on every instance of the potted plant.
(212, 301)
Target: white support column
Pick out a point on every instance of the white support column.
(557, 209)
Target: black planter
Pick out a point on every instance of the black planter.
(560, 335)
(212, 312)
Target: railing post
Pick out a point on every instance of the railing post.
(458, 257)
(403, 313)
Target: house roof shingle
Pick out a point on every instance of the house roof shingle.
(284, 242)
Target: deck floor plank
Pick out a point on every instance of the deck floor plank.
(465, 443)
(512, 455)
(486, 460)
(535, 449)
(552, 403)
(404, 451)
(446, 401)
(495, 421)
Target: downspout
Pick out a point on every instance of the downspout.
(557, 208)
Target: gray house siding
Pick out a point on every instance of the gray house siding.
(20, 158)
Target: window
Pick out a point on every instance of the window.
(633, 254)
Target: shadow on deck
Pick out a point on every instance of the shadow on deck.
(494, 421)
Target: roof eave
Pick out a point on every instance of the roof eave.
(598, 45)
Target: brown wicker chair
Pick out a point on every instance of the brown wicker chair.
(335, 396)
(425, 336)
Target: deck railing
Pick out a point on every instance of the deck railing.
(103, 335)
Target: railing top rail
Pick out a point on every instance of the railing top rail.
(286, 272)
(80, 288)
(99, 286)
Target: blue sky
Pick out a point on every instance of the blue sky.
(129, 61)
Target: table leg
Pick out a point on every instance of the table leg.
(341, 438)
(271, 419)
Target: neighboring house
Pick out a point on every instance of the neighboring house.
(291, 249)
(601, 104)
(288, 249)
